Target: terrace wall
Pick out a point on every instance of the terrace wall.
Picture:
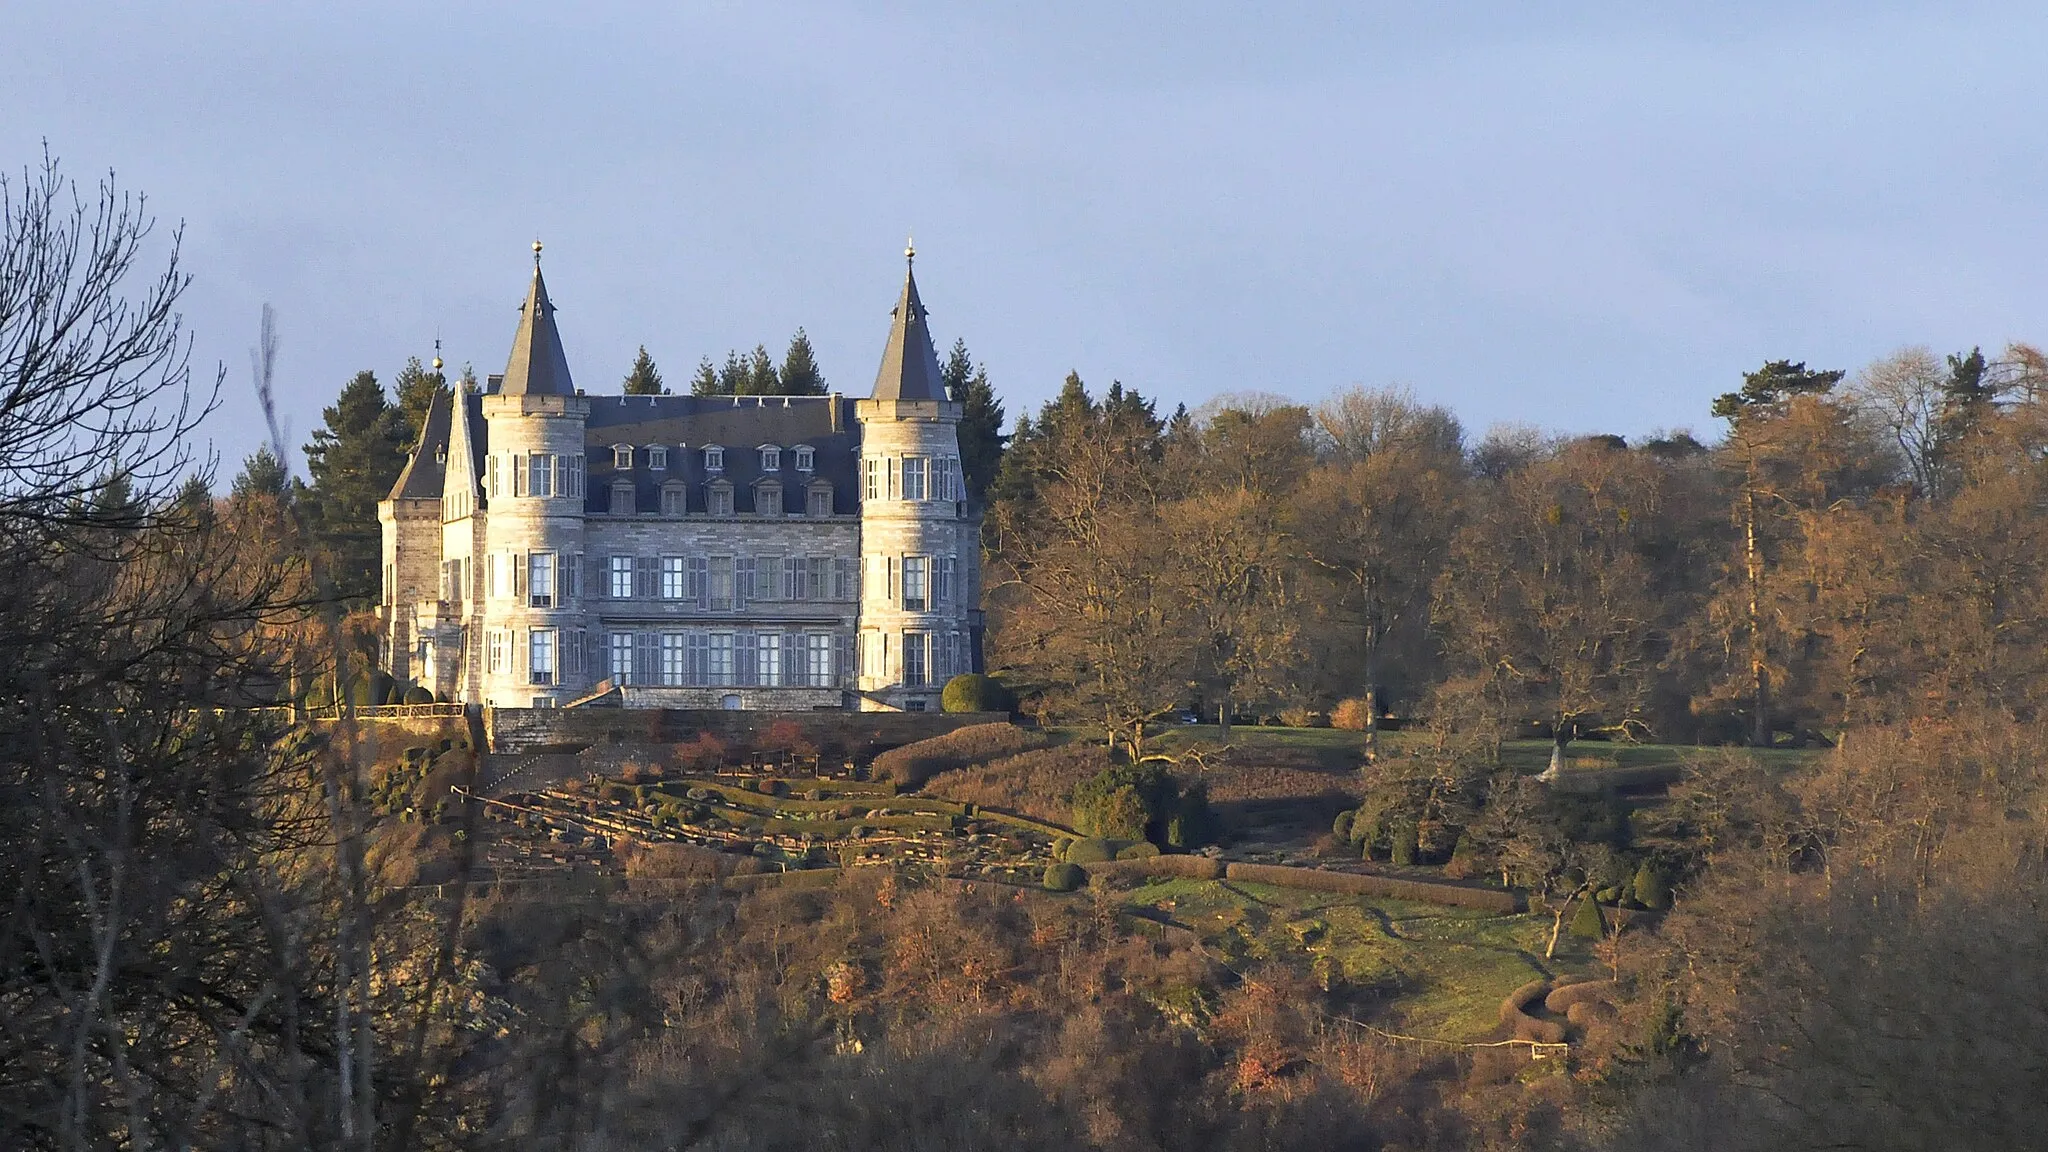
(854, 733)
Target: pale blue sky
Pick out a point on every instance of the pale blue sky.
(1592, 220)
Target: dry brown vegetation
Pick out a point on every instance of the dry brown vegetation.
(913, 764)
(1039, 784)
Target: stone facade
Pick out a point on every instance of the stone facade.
(752, 553)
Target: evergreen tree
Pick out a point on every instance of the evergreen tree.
(981, 421)
(353, 460)
(762, 379)
(262, 474)
(645, 378)
(705, 382)
(417, 387)
(800, 374)
(194, 502)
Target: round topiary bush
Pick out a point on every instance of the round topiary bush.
(419, 694)
(974, 692)
(1091, 850)
(1063, 877)
(1061, 846)
(1139, 851)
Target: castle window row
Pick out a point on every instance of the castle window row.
(917, 583)
(536, 474)
(728, 583)
(544, 656)
(541, 579)
(718, 498)
(911, 478)
(916, 659)
(656, 457)
(699, 658)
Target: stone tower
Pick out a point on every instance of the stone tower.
(533, 482)
(920, 540)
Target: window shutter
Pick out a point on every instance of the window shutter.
(698, 669)
(742, 581)
(743, 671)
(646, 658)
(647, 577)
(517, 562)
(843, 674)
(842, 579)
(895, 583)
(700, 582)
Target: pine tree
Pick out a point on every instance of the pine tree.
(762, 378)
(800, 374)
(645, 378)
(705, 382)
(981, 422)
(262, 474)
(353, 460)
(416, 387)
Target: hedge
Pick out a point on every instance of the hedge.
(1182, 867)
(1366, 884)
(974, 692)
(1561, 1000)
(1514, 1014)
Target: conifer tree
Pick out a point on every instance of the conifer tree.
(705, 382)
(645, 378)
(981, 421)
(353, 460)
(262, 474)
(416, 387)
(800, 374)
(761, 376)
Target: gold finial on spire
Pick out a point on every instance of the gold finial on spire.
(536, 251)
(909, 250)
(437, 353)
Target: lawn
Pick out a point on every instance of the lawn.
(1415, 968)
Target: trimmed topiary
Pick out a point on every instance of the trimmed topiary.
(1091, 850)
(1404, 846)
(419, 694)
(974, 692)
(1587, 922)
(1139, 851)
(1652, 889)
(1341, 826)
(1063, 877)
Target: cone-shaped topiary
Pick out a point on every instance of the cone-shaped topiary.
(1587, 922)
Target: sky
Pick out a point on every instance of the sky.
(1590, 217)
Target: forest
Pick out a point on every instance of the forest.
(223, 926)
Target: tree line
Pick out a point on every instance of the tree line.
(1849, 551)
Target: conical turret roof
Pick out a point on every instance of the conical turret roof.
(910, 365)
(537, 366)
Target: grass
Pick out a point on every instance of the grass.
(1426, 970)
(1334, 749)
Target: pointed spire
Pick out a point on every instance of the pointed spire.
(537, 366)
(910, 365)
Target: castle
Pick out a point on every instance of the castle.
(545, 548)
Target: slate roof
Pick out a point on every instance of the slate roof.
(537, 366)
(425, 469)
(685, 425)
(910, 365)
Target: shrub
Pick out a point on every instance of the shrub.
(1587, 923)
(787, 736)
(706, 753)
(1090, 850)
(1341, 826)
(1352, 715)
(1061, 846)
(1063, 877)
(1037, 783)
(913, 764)
(616, 793)
(1652, 889)
(1403, 849)
(1465, 859)
(1143, 802)
(1139, 851)
(419, 694)
(974, 692)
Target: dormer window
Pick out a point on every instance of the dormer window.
(819, 502)
(718, 499)
(768, 498)
(771, 458)
(806, 458)
(622, 455)
(657, 458)
(714, 459)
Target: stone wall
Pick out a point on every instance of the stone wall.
(860, 734)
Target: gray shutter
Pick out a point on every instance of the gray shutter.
(843, 674)
(842, 579)
(744, 671)
(700, 581)
(742, 582)
(698, 666)
(646, 658)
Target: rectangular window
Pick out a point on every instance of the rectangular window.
(806, 459)
(494, 650)
(569, 475)
(913, 478)
(915, 654)
(721, 583)
(622, 577)
(942, 586)
(818, 659)
(767, 578)
(674, 578)
(819, 576)
(768, 500)
(491, 475)
(620, 647)
(675, 500)
(872, 488)
(771, 459)
(718, 501)
(540, 656)
(540, 580)
(540, 474)
(657, 458)
(768, 659)
(673, 670)
(622, 456)
(794, 579)
(714, 459)
(721, 662)
(821, 502)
